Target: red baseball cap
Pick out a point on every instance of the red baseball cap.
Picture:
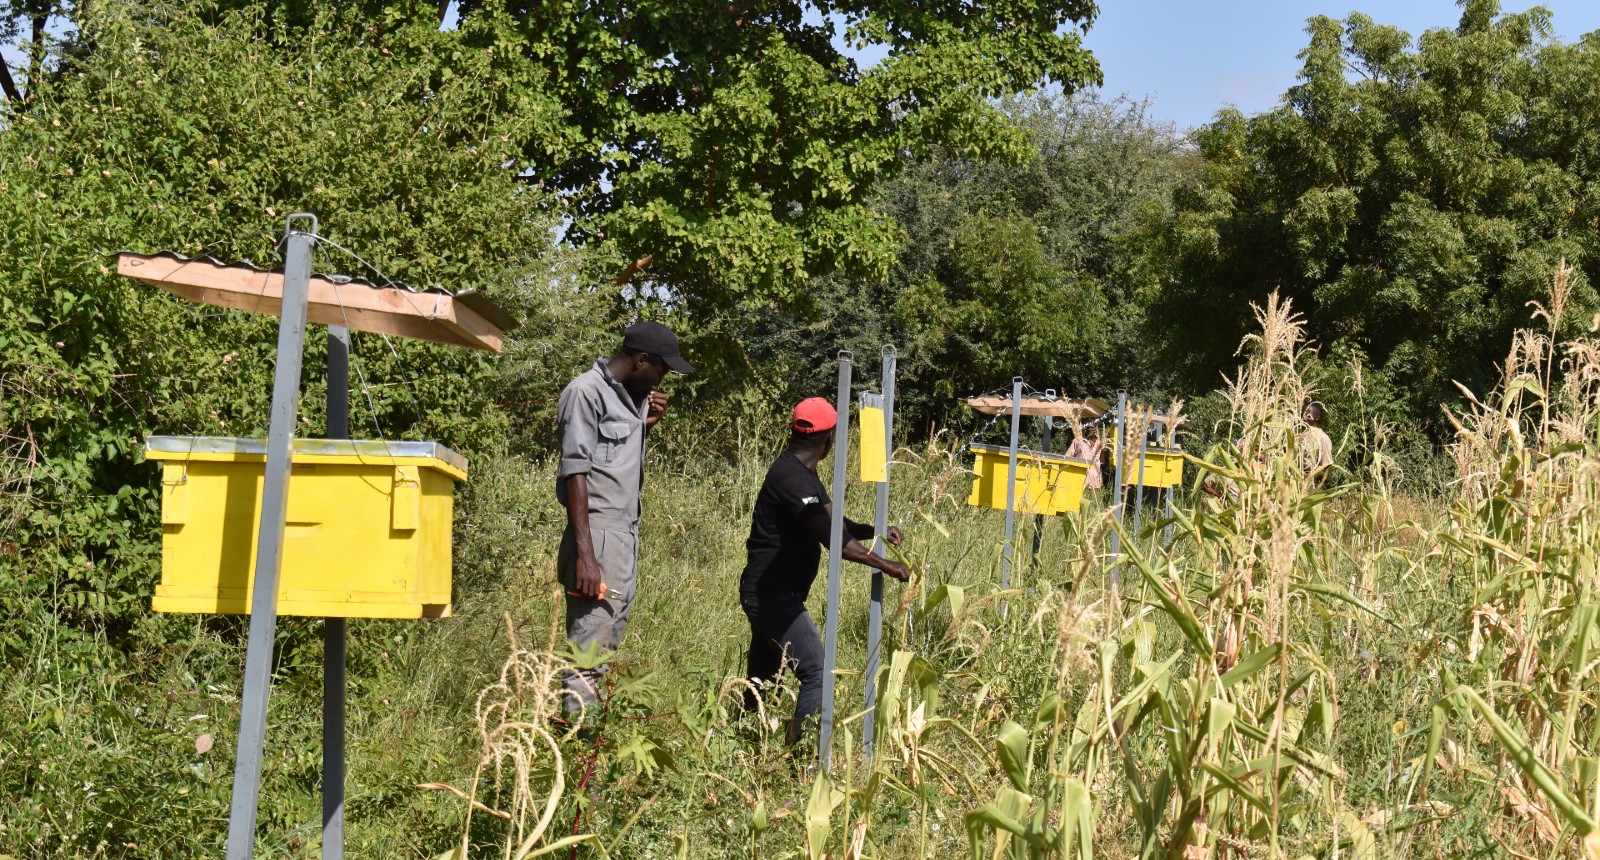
(814, 415)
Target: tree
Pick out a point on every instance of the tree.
(1410, 197)
(199, 136)
(736, 147)
(1035, 268)
(24, 29)
(725, 149)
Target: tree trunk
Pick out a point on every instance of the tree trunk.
(36, 50)
(8, 87)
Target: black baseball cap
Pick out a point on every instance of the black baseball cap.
(656, 339)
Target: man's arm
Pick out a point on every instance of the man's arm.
(819, 528)
(866, 531)
(577, 422)
(589, 581)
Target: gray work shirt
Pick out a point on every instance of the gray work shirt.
(602, 435)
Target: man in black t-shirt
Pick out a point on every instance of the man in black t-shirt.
(788, 529)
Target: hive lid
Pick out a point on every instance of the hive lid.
(357, 448)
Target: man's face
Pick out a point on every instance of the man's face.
(647, 373)
(1312, 415)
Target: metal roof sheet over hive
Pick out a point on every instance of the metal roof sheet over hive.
(467, 318)
(1057, 408)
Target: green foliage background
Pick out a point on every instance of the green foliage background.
(1412, 196)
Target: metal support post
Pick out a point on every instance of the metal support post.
(1138, 490)
(836, 537)
(1038, 519)
(1167, 538)
(333, 629)
(880, 526)
(1119, 493)
(1011, 490)
(269, 542)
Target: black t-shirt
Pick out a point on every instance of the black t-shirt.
(782, 554)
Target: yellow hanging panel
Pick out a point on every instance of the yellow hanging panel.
(874, 446)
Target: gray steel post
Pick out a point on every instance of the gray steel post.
(836, 538)
(269, 542)
(1167, 537)
(333, 629)
(1118, 493)
(880, 526)
(1038, 519)
(1138, 497)
(1011, 490)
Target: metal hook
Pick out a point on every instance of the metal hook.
(288, 222)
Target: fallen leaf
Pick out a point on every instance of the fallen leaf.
(203, 744)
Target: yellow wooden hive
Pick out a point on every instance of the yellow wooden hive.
(367, 534)
(1046, 483)
(1163, 467)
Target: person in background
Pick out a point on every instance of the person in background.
(602, 418)
(788, 529)
(1316, 449)
(1087, 445)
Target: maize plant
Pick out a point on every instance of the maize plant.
(1522, 541)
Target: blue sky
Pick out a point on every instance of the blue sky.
(1193, 57)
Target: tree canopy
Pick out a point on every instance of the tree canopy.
(722, 150)
(1411, 196)
(1035, 268)
(179, 133)
(736, 146)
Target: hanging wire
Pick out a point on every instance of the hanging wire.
(366, 391)
(966, 447)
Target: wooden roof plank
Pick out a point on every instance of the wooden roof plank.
(1039, 406)
(431, 316)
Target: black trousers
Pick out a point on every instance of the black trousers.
(783, 635)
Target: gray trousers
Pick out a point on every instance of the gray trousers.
(601, 622)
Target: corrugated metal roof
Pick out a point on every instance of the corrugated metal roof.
(482, 304)
(336, 278)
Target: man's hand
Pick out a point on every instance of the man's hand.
(658, 408)
(896, 570)
(590, 585)
(894, 537)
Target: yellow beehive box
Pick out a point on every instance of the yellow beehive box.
(367, 533)
(1046, 483)
(1163, 467)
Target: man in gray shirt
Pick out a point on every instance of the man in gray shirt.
(603, 417)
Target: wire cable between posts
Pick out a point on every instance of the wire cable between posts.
(366, 391)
